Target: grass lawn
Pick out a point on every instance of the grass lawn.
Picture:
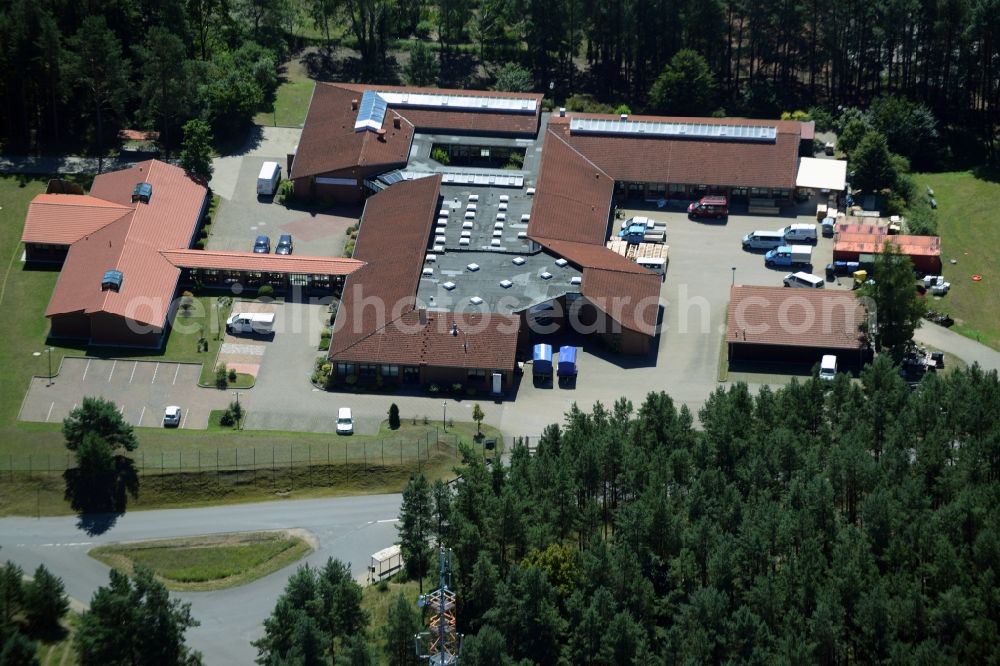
(970, 234)
(291, 103)
(376, 601)
(208, 562)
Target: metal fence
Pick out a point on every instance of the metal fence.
(346, 452)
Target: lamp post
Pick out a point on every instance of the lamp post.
(48, 351)
(444, 415)
(734, 275)
(238, 412)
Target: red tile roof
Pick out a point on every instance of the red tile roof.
(573, 196)
(794, 317)
(329, 142)
(377, 321)
(266, 263)
(132, 245)
(587, 255)
(63, 219)
(873, 243)
(687, 161)
(631, 299)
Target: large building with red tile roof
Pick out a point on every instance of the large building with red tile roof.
(383, 334)
(125, 247)
(795, 325)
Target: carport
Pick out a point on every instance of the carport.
(821, 174)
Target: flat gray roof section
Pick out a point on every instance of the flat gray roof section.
(527, 287)
(484, 230)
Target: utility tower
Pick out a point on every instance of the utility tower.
(441, 644)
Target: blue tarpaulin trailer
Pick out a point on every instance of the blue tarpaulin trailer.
(567, 362)
(541, 362)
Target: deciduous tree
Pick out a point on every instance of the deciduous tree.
(685, 87)
(196, 152)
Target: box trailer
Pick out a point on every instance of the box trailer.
(541, 362)
(789, 255)
(268, 179)
(566, 369)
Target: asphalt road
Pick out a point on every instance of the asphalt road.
(348, 528)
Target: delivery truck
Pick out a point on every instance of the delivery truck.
(567, 365)
(268, 178)
(541, 363)
(789, 255)
(251, 323)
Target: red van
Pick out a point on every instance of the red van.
(716, 207)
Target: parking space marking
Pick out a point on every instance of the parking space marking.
(185, 419)
(110, 374)
(174, 383)
(49, 415)
(141, 414)
(85, 371)
(156, 370)
(134, 366)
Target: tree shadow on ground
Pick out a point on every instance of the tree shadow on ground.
(460, 70)
(240, 141)
(100, 498)
(324, 65)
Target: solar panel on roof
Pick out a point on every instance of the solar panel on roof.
(734, 132)
(460, 102)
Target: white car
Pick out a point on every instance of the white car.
(172, 417)
(345, 422)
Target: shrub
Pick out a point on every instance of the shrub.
(349, 248)
(351, 380)
(227, 418)
(426, 421)
(221, 376)
(199, 244)
(434, 388)
(456, 388)
(236, 409)
(231, 374)
(441, 155)
(423, 29)
(324, 344)
(393, 417)
(515, 161)
(265, 291)
(286, 191)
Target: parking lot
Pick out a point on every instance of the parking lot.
(241, 218)
(142, 389)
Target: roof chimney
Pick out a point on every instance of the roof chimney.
(624, 116)
(562, 111)
(454, 330)
(354, 105)
(396, 123)
(381, 135)
(422, 317)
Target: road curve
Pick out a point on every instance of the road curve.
(349, 528)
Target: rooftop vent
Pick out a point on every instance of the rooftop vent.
(142, 192)
(506, 284)
(576, 280)
(112, 281)
(354, 105)
(561, 262)
(530, 192)
(449, 285)
(546, 275)
(475, 300)
(428, 272)
(518, 261)
(562, 111)
(624, 116)
(454, 329)
(473, 267)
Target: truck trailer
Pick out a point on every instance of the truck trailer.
(567, 365)
(541, 363)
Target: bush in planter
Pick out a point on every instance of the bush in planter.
(456, 388)
(232, 375)
(351, 380)
(199, 244)
(393, 417)
(434, 388)
(227, 418)
(265, 291)
(221, 376)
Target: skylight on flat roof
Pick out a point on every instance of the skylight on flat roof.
(460, 102)
(704, 131)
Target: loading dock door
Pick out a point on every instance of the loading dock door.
(497, 383)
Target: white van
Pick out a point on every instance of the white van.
(828, 367)
(345, 421)
(798, 233)
(805, 280)
(655, 264)
(268, 179)
(763, 240)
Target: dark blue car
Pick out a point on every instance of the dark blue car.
(262, 245)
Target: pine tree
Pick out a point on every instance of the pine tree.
(45, 602)
(414, 528)
(18, 650)
(196, 152)
(401, 626)
(393, 417)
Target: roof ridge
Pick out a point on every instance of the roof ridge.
(571, 147)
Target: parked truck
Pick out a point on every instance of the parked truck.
(268, 178)
(250, 323)
(789, 255)
(541, 363)
(567, 365)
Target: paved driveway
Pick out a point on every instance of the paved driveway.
(348, 528)
(142, 389)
